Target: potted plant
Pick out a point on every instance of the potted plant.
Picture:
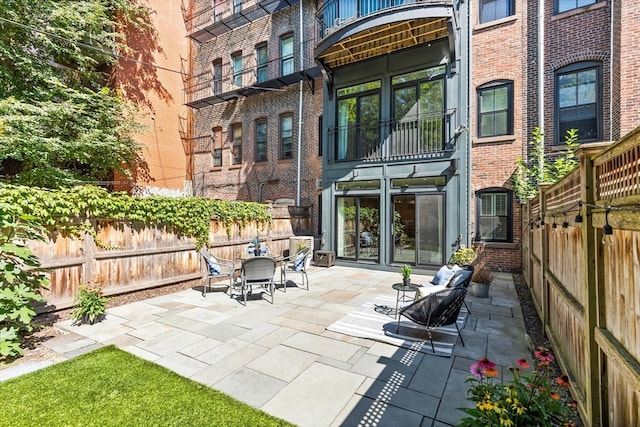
(89, 304)
(463, 256)
(405, 270)
(482, 278)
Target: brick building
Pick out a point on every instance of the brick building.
(409, 115)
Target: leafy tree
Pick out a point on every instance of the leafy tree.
(538, 170)
(59, 123)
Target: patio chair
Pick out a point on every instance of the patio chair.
(438, 309)
(296, 264)
(459, 277)
(256, 271)
(217, 268)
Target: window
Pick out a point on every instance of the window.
(577, 101)
(261, 63)
(237, 6)
(495, 109)
(286, 55)
(494, 215)
(261, 140)
(236, 135)
(418, 107)
(216, 69)
(216, 142)
(491, 10)
(358, 130)
(564, 5)
(286, 136)
(236, 63)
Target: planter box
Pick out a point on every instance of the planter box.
(480, 290)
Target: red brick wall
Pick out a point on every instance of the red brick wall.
(499, 53)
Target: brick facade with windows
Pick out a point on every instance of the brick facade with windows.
(256, 179)
(499, 55)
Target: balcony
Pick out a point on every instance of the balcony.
(353, 31)
(426, 136)
(221, 83)
(206, 19)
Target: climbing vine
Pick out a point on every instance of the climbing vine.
(68, 210)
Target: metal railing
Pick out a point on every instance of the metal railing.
(284, 69)
(336, 13)
(409, 137)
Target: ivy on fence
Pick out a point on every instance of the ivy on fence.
(68, 210)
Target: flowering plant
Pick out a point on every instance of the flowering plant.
(527, 400)
(89, 303)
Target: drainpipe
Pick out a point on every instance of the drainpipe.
(301, 84)
(469, 126)
(541, 82)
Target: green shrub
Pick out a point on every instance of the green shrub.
(89, 304)
(21, 278)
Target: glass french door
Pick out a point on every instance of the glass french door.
(418, 229)
(358, 224)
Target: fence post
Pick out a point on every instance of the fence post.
(544, 257)
(593, 296)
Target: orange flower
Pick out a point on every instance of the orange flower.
(523, 363)
(491, 372)
(555, 396)
(563, 380)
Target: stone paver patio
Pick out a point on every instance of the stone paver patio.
(280, 358)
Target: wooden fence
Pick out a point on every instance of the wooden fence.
(588, 293)
(146, 257)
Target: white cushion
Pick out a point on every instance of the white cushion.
(443, 275)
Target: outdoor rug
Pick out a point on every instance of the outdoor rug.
(376, 320)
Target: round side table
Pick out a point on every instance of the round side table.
(402, 288)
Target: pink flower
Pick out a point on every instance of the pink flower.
(543, 354)
(476, 370)
(523, 363)
(486, 363)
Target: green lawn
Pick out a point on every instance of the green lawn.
(109, 387)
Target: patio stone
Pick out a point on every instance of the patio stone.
(181, 364)
(283, 362)
(251, 387)
(322, 346)
(315, 397)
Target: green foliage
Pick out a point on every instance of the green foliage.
(537, 170)
(110, 387)
(463, 256)
(59, 123)
(85, 136)
(21, 278)
(89, 304)
(526, 400)
(68, 210)
(405, 270)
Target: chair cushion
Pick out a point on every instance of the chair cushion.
(443, 275)
(459, 278)
(299, 262)
(214, 267)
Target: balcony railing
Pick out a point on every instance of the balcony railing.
(221, 82)
(336, 13)
(205, 19)
(427, 135)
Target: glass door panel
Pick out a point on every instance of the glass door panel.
(404, 220)
(418, 229)
(430, 230)
(358, 224)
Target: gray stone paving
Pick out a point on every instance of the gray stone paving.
(280, 358)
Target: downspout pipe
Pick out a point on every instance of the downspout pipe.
(301, 84)
(541, 82)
